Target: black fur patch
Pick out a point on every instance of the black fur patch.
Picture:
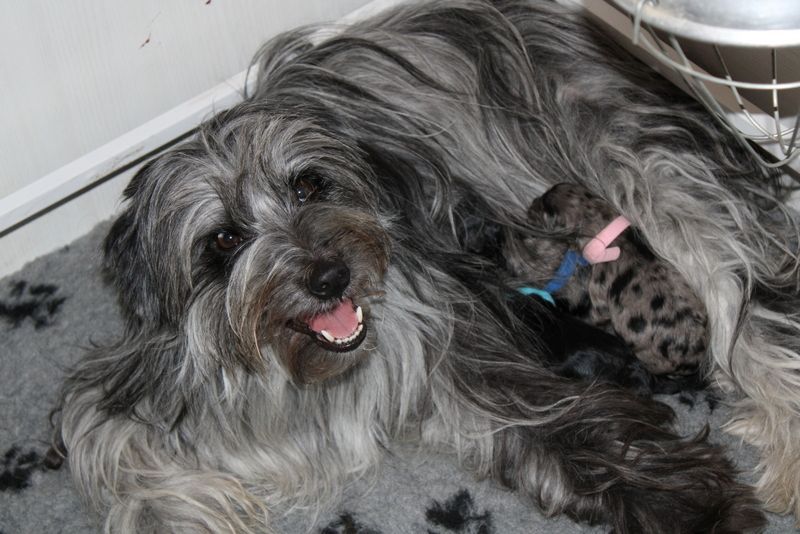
(700, 346)
(458, 514)
(35, 302)
(664, 346)
(347, 524)
(657, 303)
(637, 323)
(620, 283)
(583, 308)
(680, 316)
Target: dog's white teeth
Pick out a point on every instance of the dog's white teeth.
(352, 337)
(327, 335)
(359, 314)
(358, 331)
(344, 340)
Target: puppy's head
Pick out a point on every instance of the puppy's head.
(256, 244)
(571, 208)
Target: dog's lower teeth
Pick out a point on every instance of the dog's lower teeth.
(344, 340)
(327, 335)
(359, 314)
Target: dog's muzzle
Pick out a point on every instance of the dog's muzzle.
(341, 329)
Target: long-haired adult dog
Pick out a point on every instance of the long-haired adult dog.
(247, 377)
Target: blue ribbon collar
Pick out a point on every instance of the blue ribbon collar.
(572, 260)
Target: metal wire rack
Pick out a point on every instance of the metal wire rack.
(728, 41)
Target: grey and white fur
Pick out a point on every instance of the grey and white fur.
(369, 150)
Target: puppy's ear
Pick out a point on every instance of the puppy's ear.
(125, 258)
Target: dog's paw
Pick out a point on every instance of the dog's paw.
(38, 303)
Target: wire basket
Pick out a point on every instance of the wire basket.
(744, 66)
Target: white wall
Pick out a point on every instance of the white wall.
(76, 74)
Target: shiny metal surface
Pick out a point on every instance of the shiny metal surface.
(760, 23)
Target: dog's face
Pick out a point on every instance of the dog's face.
(259, 240)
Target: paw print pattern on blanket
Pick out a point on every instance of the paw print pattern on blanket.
(38, 303)
(458, 514)
(18, 466)
(347, 524)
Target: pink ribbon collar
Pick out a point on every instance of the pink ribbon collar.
(597, 250)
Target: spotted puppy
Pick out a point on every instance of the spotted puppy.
(635, 295)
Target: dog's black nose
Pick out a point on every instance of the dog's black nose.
(328, 278)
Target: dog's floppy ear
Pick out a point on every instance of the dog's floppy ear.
(125, 258)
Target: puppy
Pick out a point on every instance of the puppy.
(572, 347)
(642, 299)
(297, 297)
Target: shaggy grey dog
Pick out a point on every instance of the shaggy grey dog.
(298, 291)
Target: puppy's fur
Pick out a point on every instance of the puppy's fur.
(637, 296)
(370, 148)
(572, 347)
(575, 349)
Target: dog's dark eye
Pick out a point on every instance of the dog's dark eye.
(306, 188)
(227, 241)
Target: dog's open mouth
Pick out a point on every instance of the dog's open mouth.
(341, 329)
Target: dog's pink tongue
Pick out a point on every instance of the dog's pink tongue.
(340, 323)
